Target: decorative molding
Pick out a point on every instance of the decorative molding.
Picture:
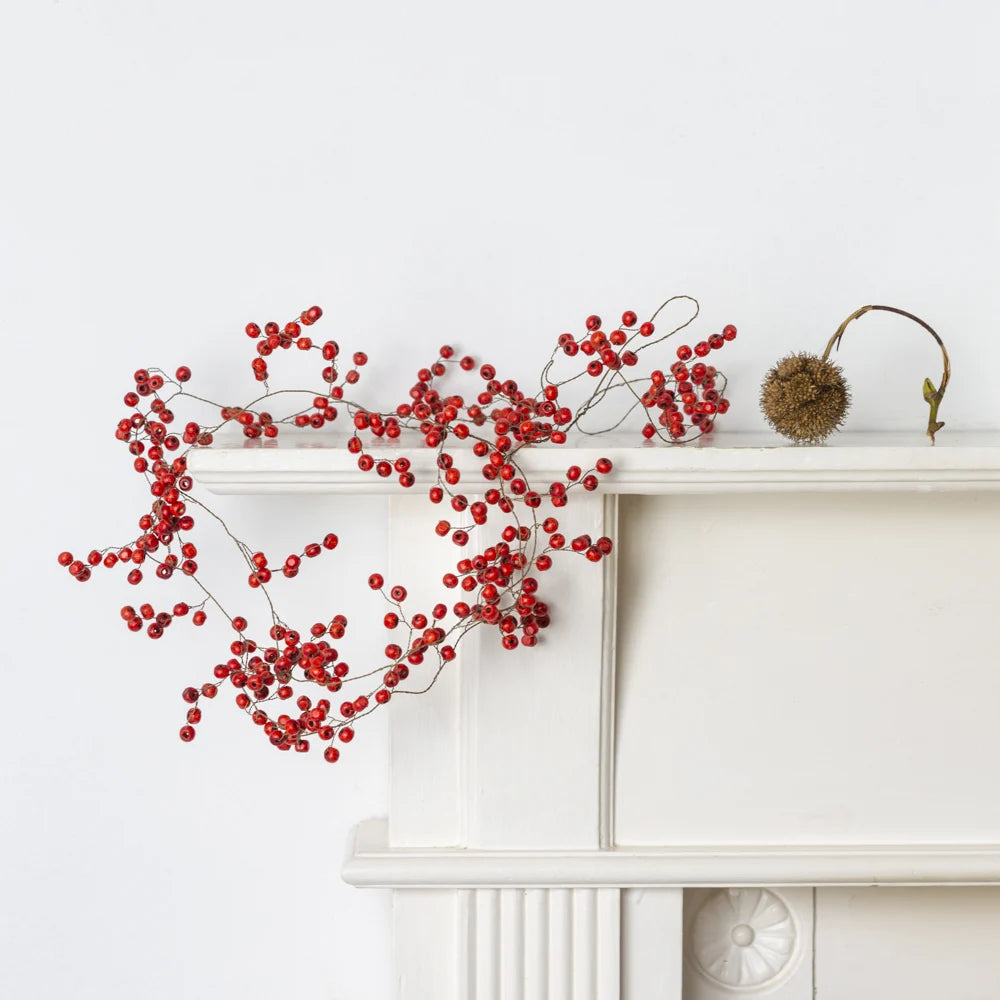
(372, 863)
(743, 939)
(539, 944)
(609, 625)
(304, 462)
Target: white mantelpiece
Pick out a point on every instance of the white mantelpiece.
(784, 680)
(311, 462)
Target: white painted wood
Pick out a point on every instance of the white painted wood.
(608, 696)
(512, 944)
(489, 959)
(538, 944)
(584, 942)
(560, 944)
(428, 767)
(652, 949)
(609, 944)
(303, 462)
(425, 938)
(760, 694)
(535, 725)
(464, 958)
(371, 862)
(489, 716)
(752, 939)
(817, 670)
(911, 944)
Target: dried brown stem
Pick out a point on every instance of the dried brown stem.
(932, 395)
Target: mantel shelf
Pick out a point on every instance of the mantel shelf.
(372, 862)
(316, 462)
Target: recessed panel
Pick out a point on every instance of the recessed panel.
(808, 669)
(917, 944)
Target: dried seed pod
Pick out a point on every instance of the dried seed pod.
(805, 398)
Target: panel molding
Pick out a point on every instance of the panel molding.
(608, 692)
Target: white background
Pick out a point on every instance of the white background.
(428, 172)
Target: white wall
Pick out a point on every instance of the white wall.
(427, 172)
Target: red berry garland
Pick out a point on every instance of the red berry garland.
(499, 585)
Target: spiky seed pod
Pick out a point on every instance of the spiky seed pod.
(805, 398)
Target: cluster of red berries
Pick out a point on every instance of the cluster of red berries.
(688, 390)
(499, 581)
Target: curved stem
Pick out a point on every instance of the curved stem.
(932, 395)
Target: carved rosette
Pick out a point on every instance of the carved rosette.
(742, 939)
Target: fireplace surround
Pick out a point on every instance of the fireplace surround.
(758, 758)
